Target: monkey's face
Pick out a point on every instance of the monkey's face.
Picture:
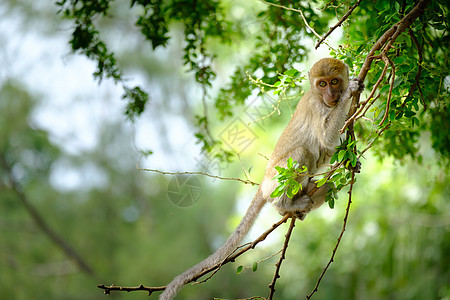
(330, 88)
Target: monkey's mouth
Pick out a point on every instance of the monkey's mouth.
(332, 103)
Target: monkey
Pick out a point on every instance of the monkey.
(310, 139)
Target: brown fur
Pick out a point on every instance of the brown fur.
(309, 138)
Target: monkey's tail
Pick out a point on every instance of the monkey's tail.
(232, 242)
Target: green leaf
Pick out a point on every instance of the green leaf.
(353, 159)
(296, 187)
(321, 182)
(289, 193)
(341, 155)
(255, 266)
(291, 72)
(331, 203)
(277, 192)
(334, 158)
(335, 177)
(289, 163)
(239, 269)
(279, 169)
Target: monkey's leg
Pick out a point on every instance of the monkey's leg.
(302, 204)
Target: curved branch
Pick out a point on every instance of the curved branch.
(357, 114)
(344, 225)
(230, 258)
(339, 23)
(282, 257)
(387, 61)
(419, 71)
(385, 43)
(296, 10)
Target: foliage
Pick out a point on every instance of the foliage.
(289, 179)
(419, 59)
(202, 21)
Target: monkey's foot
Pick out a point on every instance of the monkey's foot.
(298, 207)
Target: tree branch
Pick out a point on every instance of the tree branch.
(339, 238)
(282, 257)
(230, 258)
(41, 223)
(193, 173)
(387, 61)
(419, 71)
(150, 290)
(296, 10)
(339, 23)
(385, 43)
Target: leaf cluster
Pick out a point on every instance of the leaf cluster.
(346, 158)
(410, 79)
(279, 47)
(413, 94)
(289, 179)
(202, 21)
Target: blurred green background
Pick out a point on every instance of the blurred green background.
(69, 177)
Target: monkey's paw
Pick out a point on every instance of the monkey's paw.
(356, 168)
(356, 85)
(299, 206)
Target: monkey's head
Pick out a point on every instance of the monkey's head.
(329, 78)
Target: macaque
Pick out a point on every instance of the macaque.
(310, 139)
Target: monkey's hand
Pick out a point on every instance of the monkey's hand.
(356, 85)
(356, 168)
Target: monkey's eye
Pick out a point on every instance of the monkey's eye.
(334, 81)
(322, 84)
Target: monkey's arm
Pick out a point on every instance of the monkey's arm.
(337, 117)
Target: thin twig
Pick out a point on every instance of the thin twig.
(387, 61)
(262, 260)
(199, 173)
(247, 174)
(379, 132)
(339, 23)
(296, 10)
(357, 114)
(372, 101)
(230, 258)
(193, 173)
(150, 290)
(339, 238)
(282, 257)
(419, 71)
(242, 249)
